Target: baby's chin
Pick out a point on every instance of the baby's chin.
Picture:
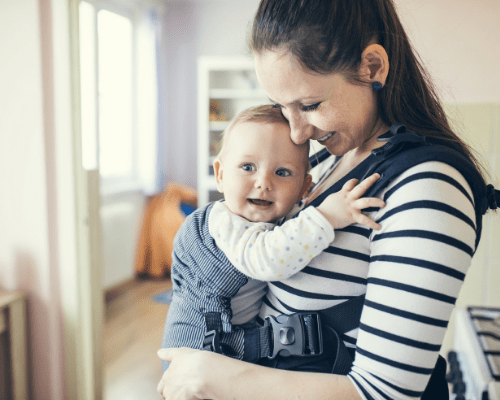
(256, 216)
(270, 220)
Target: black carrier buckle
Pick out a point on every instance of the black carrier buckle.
(297, 334)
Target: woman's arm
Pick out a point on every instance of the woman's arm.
(196, 374)
(418, 262)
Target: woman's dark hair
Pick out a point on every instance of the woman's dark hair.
(328, 36)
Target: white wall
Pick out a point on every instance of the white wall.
(28, 252)
(458, 41)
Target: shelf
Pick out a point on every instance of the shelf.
(231, 85)
(237, 94)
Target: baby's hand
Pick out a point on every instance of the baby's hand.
(344, 207)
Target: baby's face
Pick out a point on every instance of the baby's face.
(262, 173)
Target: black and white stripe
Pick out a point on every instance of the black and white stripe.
(411, 270)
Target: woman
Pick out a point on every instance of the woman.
(343, 72)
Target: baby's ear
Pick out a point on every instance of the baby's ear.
(305, 187)
(218, 174)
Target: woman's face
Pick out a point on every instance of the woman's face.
(340, 115)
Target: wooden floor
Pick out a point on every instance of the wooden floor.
(133, 331)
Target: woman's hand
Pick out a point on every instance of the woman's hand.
(344, 207)
(184, 379)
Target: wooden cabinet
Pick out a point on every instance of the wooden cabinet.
(226, 86)
(13, 344)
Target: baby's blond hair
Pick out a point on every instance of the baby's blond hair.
(264, 114)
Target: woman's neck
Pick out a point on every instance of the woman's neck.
(350, 160)
(371, 143)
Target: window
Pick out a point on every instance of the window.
(114, 41)
(119, 117)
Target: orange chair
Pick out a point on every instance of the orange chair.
(162, 219)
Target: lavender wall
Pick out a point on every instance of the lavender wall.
(27, 215)
(193, 29)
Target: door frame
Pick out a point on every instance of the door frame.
(79, 238)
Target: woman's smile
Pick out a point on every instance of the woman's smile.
(321, 140)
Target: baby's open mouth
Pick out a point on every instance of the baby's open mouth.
(259, 202)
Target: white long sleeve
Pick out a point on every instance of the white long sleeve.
(267, 252)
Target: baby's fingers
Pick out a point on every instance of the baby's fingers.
(363, 186)
(366, 221)
(350, 185)
(367, 202)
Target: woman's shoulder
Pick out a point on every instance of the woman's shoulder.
(435, 173)
(430, 169)
(432, 184)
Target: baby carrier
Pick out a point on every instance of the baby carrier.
(310, 341)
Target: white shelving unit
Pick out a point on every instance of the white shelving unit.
(232, 83)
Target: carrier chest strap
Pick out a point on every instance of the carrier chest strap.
(298, 334)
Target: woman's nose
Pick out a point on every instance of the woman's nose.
(300, 129)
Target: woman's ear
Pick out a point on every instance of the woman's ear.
(218, 174)
(374, 64)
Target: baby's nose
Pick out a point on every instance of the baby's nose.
(264, 181)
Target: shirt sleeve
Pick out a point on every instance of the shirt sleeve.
(267, 252)
(418, 263)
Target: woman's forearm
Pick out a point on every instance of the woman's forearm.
(245, 381)
(196, 374)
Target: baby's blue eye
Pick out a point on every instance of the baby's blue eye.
(312, 107)
(283, 172)
(248, 167)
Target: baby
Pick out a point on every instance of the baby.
(263, 175)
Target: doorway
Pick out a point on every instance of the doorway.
(118, 85)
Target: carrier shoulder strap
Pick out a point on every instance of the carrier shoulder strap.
(404, 150)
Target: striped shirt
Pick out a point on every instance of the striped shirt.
(411, 271)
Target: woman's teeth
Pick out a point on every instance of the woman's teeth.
(325, 137)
